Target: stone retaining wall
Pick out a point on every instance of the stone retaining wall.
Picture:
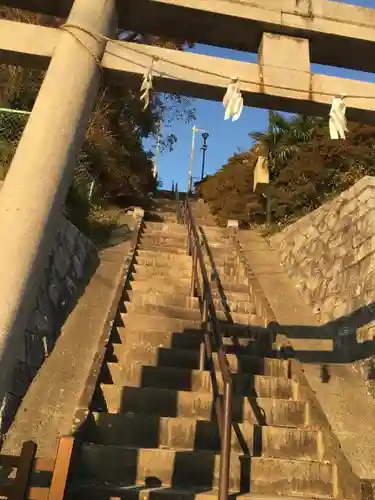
(67, 270)
(330, 255)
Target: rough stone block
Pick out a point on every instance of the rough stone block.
(9, 409)
(71, 237)
(57, 293)
(61, 262)
(78, 267)
(21, 380)
(334, 268)
(35, 350)
(70, 286)
(81, 250)
(54, 293)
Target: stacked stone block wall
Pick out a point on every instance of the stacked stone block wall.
(67, 270)
(330, 255)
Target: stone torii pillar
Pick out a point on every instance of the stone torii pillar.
(41, 171)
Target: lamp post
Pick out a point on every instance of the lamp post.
(205, 136)
(190, 177)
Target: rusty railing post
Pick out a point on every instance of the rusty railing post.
(190, 236)
(202, 347)
(226, 442)
(193, 268)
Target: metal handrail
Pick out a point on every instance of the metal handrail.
(201, 287)
(179, 207)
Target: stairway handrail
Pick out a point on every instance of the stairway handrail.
(212, 338)
(179, 207)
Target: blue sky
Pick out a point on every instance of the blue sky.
(226, 137)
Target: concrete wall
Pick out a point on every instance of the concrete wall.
(66, 272)
(330, 255)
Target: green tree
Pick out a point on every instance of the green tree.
(112, 156)
(230, 190)
(283, 137)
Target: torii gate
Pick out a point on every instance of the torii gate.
(287, 34)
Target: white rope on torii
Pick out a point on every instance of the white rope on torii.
(233, 100)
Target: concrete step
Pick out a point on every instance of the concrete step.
(234, 306)
(164, 255)
(156, 492)
(230, 286)
(171, 227)
(254, 330)
(162, 299)
(189, 339)
(259, 346)
(156, 321)
(218, 248)
(162, 284)
(227, 269)
(163, 311)
(163, 259)
(126, 465)
(235, 317)
(164, 234)
(200, 406)
(306, 345)
(240, 297)
(167, 212)
(228, 281)
(245, 333)
(148, 246)
(208, 229)
(182, 379)
(148, 321)
(174, 311)
(141, 271)
(170, 218)
(220, 257)
(149, 241)
(217, 239)
(142, 431)
(145, 353)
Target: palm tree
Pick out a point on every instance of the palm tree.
(281, 142)
(283, 138)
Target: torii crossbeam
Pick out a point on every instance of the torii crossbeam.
(281, 80)
(340, 34)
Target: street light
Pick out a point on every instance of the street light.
(190, 179)
(205, 136)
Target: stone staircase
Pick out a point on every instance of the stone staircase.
(152, 430)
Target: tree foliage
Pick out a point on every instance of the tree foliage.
(228, 191)
(112, 159)
(321, 169)
(307, 168)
